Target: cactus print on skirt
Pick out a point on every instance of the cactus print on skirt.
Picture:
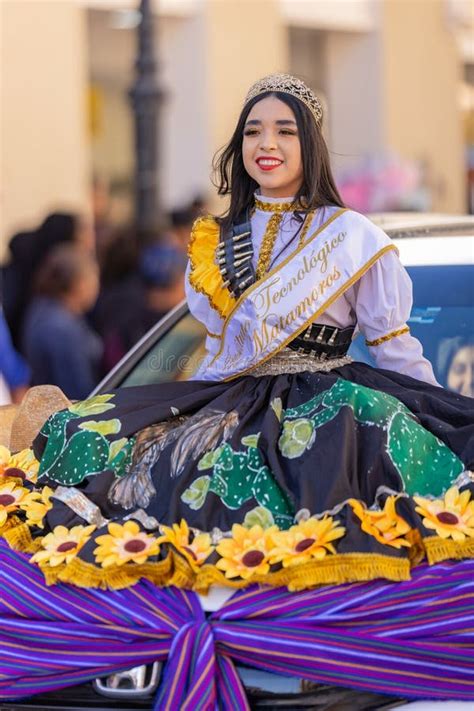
(293, 479)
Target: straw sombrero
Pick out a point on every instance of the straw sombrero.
(19, 424)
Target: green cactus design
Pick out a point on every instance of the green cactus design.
(195, 495)
(424, 463)
(297, 436)
(104, 427)
(96, 405)
(238, 477)
(54, 429)
(88, 451)
(259, 516)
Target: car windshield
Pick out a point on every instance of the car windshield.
(442, 319)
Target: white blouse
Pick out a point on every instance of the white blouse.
(378, 304)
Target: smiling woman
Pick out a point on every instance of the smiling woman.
(271, 148)
(278, 149)
(282, 462)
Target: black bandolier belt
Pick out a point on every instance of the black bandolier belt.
(323, 342)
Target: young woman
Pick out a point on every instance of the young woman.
(282, 461)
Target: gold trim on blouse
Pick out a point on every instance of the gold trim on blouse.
(268, 242)
(204, 275)
(388, 337)
(274, 206)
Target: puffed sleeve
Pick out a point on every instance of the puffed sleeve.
(201, 309)
(382, 301)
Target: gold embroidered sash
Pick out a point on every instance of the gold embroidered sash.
(282, 304)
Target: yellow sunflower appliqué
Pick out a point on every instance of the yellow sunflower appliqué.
(451, 517)
(11, 496)
(247, 553)
(311, 539)
(125, 544)
(22, 465)
(195, 548)
(36, 505)
(62, 545)
(385, 525)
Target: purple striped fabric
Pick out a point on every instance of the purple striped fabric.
(414, 639)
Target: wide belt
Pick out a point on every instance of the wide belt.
(323, 342)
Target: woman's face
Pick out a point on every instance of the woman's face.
(461, 372)
(271, 148)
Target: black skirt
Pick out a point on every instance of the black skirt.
(293, 479)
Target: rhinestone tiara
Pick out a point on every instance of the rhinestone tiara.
(288, 85)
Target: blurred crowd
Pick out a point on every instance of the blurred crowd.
(77, 294)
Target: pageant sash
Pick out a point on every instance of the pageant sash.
(282, 304)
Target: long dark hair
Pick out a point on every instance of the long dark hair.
(318, 187)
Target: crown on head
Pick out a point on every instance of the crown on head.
(288, 85)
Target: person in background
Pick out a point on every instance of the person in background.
(460, 371)
(181, 225)
(161, 273)
(28, 250)
(59, 345)
(161, 269)
(14, 371)
(121, 293)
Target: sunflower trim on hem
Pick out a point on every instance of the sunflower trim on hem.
(125, 543)
(385, 524)
(304, 555)
(451, 516)
(22, 465)
(62, 545)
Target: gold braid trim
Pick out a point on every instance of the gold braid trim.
(388, 337)
(204, 275)
(268, 242)
(308, 221)
(86, 575)
(333, 569)
(439, 549)
(175, 570)
(271, 232)
(274, 206)
(18, 536)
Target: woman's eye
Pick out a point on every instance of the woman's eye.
(250, 132)
(286, 132)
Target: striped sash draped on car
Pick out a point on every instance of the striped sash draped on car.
(412, 638)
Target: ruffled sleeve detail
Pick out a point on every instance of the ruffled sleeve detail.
(204, 274)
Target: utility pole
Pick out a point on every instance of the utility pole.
(145, 96)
